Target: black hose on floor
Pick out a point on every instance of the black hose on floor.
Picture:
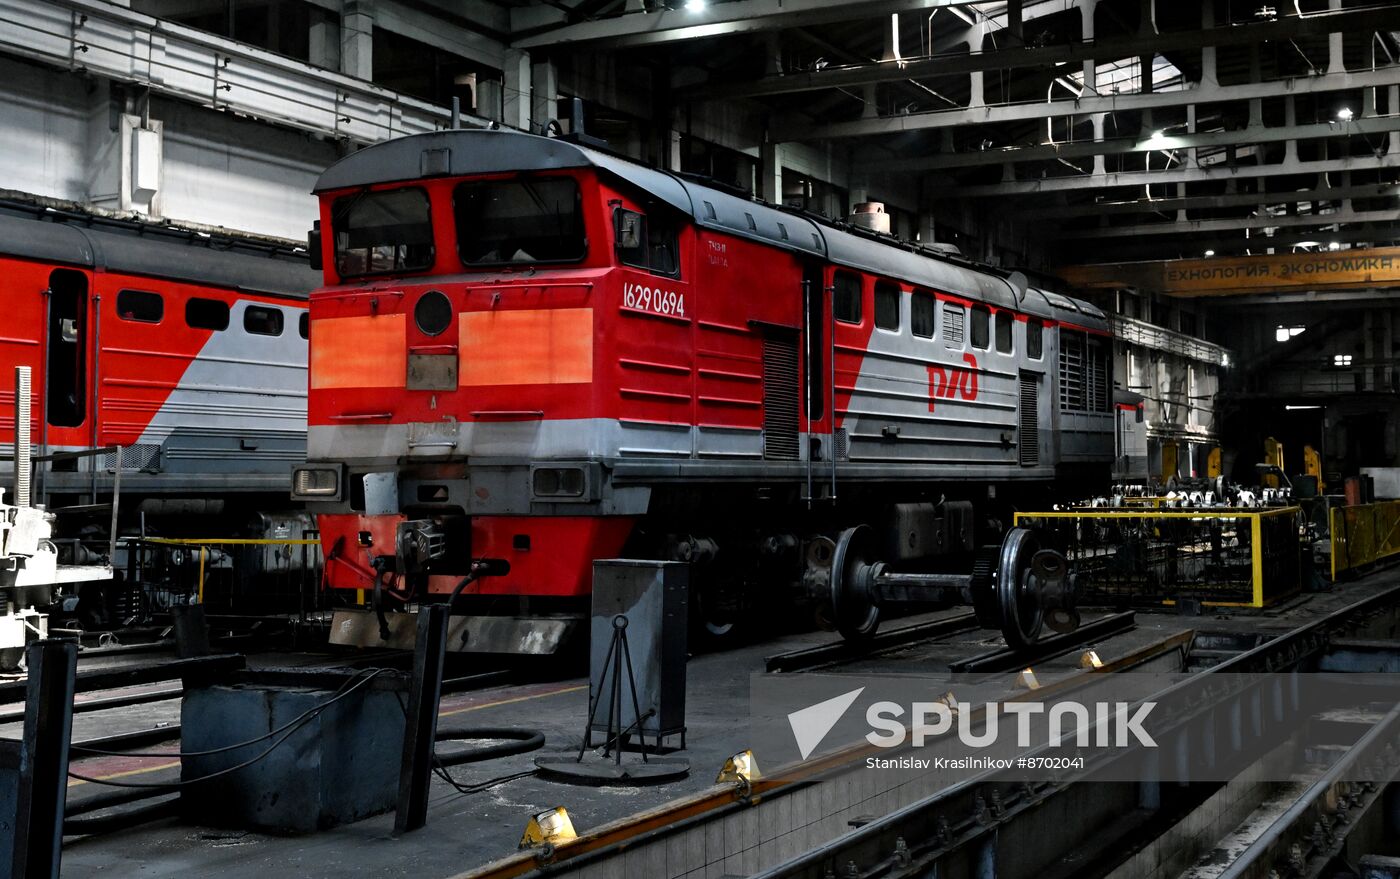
(508, 743)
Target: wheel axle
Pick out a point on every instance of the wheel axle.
(1018, 587)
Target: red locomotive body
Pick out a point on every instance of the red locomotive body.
(534, 351)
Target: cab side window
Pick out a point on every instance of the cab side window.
(845, 298)
(981, 327)
(648, 242)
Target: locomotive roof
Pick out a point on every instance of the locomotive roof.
(69, 238)
(466, 152)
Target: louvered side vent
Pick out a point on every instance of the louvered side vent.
(780, 393)
(953, 325)
(1029, 435)
(1100, 393)
(1072, 397)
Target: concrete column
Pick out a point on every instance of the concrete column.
(324, 43)
(544, 93)
(1290, 119)
(490, 99)
(976, 42)
(1208, 77)
(1014, 20)
(772, 54)
(673, 150)
(1368, 350)
(770, 172)
(1086, 14)
(1147, 26)
(928, 228)
(357, 39)
(516, 87)
(1392, 102)
(1098, 120)
(1334, 44)
(1191, 129)
(892, 39)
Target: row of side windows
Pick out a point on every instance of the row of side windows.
(143, 306)
(846, 306)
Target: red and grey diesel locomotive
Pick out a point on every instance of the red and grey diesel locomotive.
(186, 349)
(535, 351)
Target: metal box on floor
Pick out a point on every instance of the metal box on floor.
(654, 597)
(340, 765)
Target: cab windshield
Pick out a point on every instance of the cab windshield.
(382, 232)
(517, 222)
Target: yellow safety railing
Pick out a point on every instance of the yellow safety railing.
(1363, 534)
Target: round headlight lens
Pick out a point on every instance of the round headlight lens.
(433, 313)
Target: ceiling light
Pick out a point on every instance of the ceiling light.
(1210, 253)
(1345, 114)
(694, 5)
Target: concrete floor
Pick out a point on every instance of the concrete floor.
(466, 831)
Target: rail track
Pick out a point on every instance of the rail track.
(806, 821)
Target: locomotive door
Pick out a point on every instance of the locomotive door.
(818, 373)
(65, 360)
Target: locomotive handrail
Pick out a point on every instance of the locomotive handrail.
(361, 416)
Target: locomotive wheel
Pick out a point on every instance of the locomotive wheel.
(854, 612)
(1018, 595)
(719, 612)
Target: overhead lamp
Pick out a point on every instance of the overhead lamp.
(694, 5)
(1210, 253)
(1345, 114)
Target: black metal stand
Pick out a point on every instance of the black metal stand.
(420, 729)
(43, 779)
(619, 658)
(575, 769)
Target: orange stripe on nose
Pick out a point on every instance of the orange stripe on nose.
(359, 352)
(531, 347)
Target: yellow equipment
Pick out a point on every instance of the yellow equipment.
(1213, 465)
(1312, 465)
(1168, 460)
(1273, 455)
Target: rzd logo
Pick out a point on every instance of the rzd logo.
(947, 382)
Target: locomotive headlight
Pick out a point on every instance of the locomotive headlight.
(557, 482)
(316, 482)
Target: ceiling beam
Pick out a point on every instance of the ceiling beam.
(1086, 105)
(1285, 28)
(1127, 145)
(718, 19)
(1229, 200)
(1233, 224)
(1217, 172)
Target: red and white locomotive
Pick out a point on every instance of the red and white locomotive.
(187, 350)
(531, 350)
